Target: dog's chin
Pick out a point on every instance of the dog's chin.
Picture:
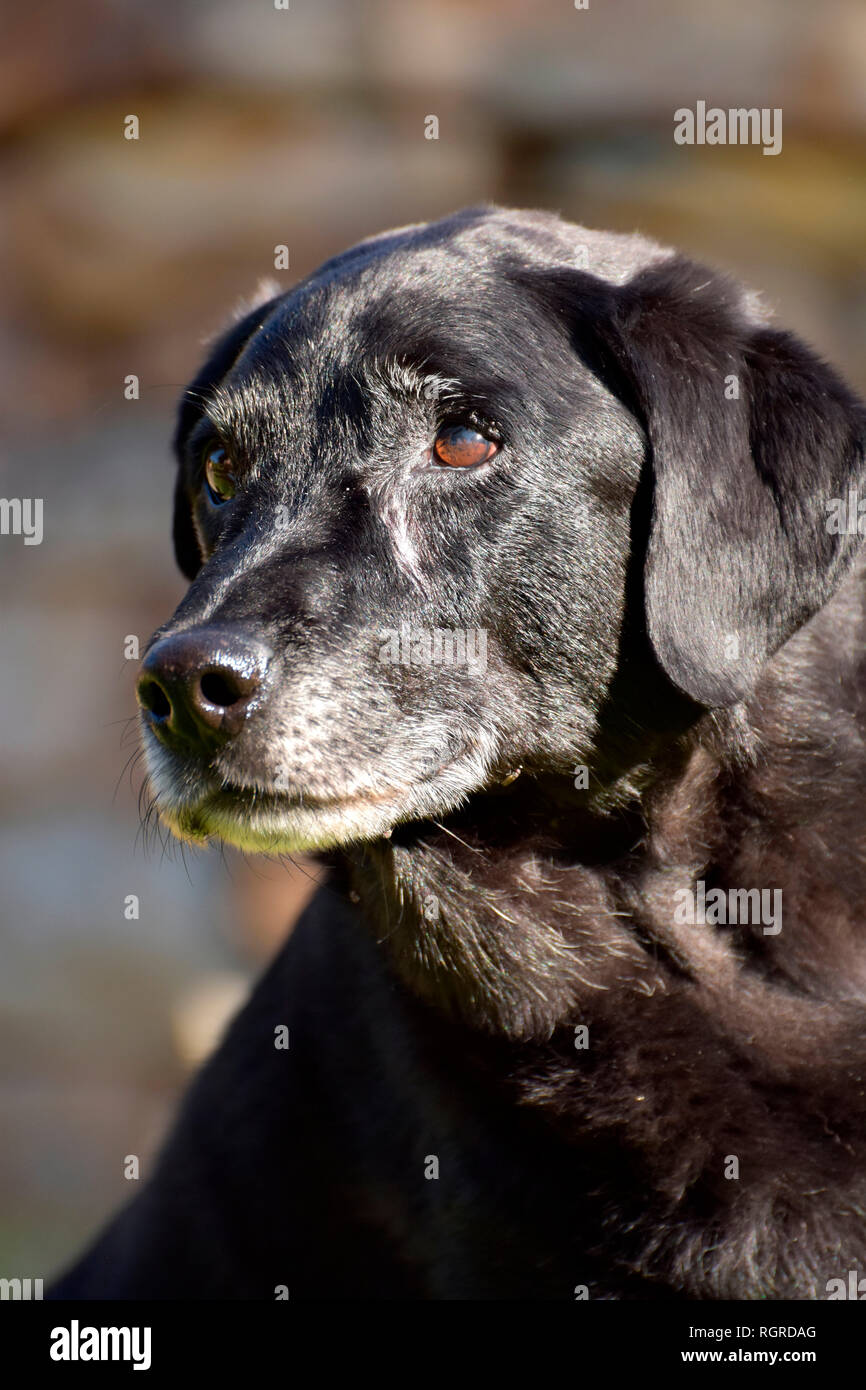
(270, 825)
(276, 822)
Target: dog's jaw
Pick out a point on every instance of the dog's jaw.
(268, 820)
(272, 829)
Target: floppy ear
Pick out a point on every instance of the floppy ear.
(221, 360)
(752, 438)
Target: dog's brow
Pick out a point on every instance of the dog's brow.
(231, 406)
(408, 380)
(220, 411)
(239, 411)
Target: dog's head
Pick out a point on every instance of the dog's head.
(437, 500)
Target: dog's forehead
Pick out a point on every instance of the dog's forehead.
(443, 298)
(436, 277)
(492, 235)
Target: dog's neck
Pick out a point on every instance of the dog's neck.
(513, 913)
(535, 907)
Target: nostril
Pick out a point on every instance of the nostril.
(219, 689)
(198, 687)
(153, 698)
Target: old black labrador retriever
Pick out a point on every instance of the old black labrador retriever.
(527, 583)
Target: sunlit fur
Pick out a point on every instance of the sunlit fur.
(483, 903)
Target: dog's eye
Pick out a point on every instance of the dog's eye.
(459, 446)
(218, 475)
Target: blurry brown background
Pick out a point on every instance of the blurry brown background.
(261, 127)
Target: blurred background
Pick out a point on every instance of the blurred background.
(305, 128)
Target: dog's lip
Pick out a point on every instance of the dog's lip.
(252, 795)
(239, 796)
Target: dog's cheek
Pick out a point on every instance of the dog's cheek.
(560, 603)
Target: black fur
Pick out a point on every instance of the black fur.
(665, 604)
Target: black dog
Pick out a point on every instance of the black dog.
(525, 583)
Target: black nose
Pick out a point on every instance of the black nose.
(198, 687)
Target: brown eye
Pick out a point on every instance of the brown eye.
(218, 475)
(458, 446)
